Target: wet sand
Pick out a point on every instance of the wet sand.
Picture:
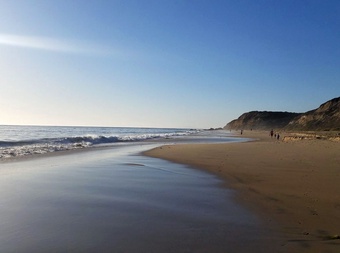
(293, 183)
(115, 200)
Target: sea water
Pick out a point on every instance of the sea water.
(28, 140)
(23, 141)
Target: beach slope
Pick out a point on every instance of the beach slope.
(295, 184)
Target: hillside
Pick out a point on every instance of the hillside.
(264, 120)
(326, 117)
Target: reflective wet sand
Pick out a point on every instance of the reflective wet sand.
(114, 200)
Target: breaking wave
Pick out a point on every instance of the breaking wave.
(10, 149)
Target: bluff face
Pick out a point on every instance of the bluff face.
(326, 117)
(262, 120)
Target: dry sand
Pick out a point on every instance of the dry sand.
(295, 184)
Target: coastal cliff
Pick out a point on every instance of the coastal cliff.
(324, 118)
(264, 120)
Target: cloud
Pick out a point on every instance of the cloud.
(87, 48)
(51, 44)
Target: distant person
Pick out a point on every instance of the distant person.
(278, 136)
(241, 132)
(271, 133)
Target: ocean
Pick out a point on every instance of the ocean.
(17, 141)
(23, 141)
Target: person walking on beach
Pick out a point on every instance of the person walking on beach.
(278, 136)
(271, 133)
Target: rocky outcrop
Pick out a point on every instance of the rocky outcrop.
(324, 118)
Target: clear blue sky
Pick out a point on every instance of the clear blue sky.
(164, 63)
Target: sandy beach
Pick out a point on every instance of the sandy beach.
(292, 183)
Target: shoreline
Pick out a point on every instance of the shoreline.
(118, 200)
(293, 183)
(155, 141)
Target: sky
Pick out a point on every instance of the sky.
(164, 63)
